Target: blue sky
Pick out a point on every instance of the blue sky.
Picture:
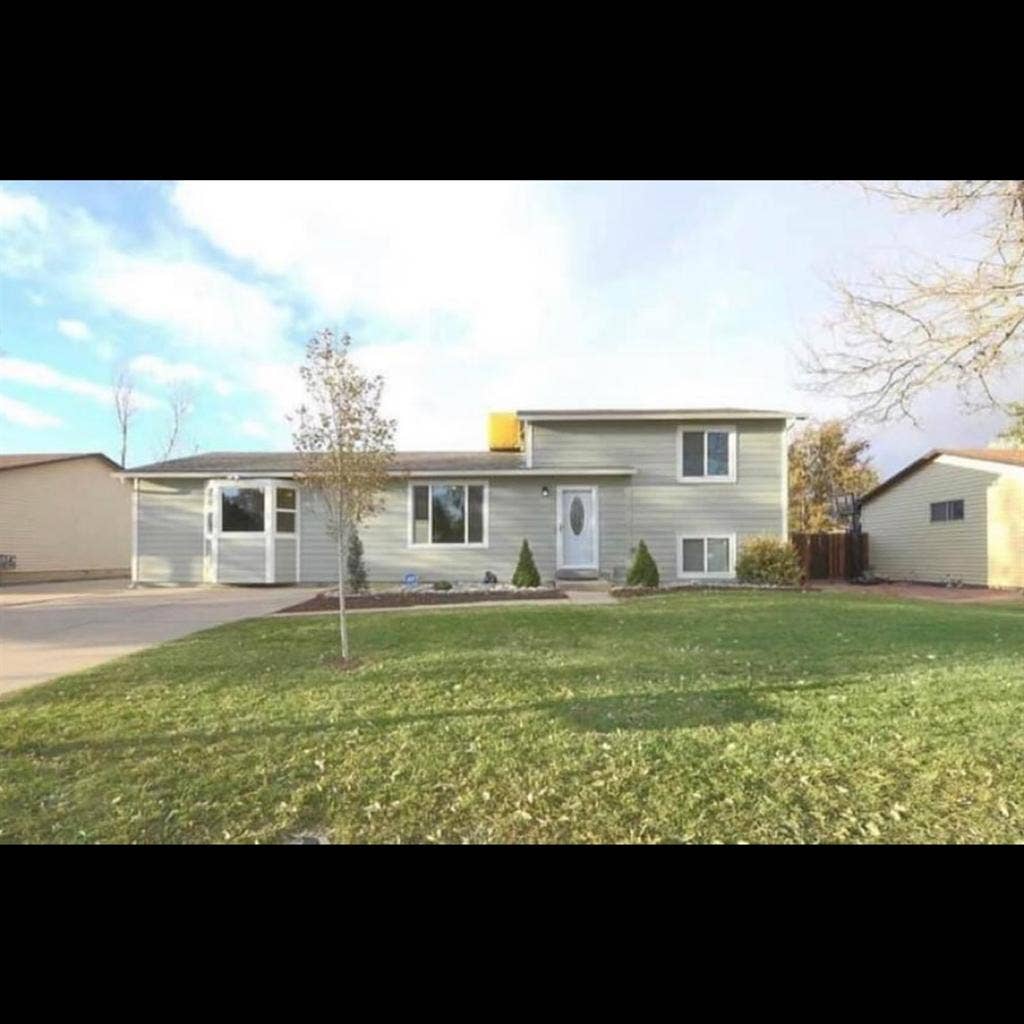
(467, 296)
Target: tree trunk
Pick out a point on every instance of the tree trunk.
(342, 624)
(124, 446)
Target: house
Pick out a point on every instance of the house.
(63, 517)
(954, 514)
(582, 486)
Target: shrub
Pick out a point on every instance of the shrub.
(644, 570)
(768, 560)
(355, 568)
(526, 574)
(443, 585)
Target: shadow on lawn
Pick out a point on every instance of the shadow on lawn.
(635, 712)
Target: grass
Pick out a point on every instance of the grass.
(704, 717)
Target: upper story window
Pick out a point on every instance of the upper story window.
(706, 454)
(448, 513)
(943, 511)
(241, 510)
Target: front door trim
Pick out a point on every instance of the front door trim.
(560, 526)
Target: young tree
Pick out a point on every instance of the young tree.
(960, 322)
(125, 408)
(823, 463)
(345, 444)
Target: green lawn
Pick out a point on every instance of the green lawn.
(704, 717)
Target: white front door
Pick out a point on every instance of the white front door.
(577, 528)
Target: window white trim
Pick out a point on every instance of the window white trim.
(529, 445)
(696, 428)
(429, 543)
(560, 527)
(705, 537)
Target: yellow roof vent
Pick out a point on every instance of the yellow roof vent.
(504, 432)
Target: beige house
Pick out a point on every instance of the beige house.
(954, 514)
(63, 517)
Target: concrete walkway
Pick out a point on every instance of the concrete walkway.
(48, 632)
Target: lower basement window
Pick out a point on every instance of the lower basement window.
(706, 556)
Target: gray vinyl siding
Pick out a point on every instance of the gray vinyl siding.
(241, 558)
(658, 507)
(284, 559)
(903, 543)
(170, 531)
(652, 505)
(516, 510)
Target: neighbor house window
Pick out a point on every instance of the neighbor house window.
(241, 510)
(448, 514)
(706, 454)
(942, 511)
(285, 510)
(706, 556)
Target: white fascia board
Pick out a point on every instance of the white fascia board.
(399, 473)
(695, 414)
(549, 471)
(985, 465)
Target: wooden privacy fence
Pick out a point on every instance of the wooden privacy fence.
(831, 556)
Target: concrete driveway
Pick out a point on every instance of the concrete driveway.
(49, 629)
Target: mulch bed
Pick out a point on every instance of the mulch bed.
(409, 599)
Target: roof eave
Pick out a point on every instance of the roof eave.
(539, 416)
(213, 474)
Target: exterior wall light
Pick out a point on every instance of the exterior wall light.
(544, 492)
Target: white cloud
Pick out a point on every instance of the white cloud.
(24, 221)
(160, 371)
(253, 428)
(198, 304)
(39, 375)
(483, 259)
(19, 210)
(24, 415)
(75, 329)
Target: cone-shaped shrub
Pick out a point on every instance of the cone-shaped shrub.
(526, 574)
(356, 577)
(644, 570)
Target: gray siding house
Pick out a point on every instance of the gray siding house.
(584, 488)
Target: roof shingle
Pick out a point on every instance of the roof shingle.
(40, 458)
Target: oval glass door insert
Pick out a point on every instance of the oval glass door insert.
(576, 516)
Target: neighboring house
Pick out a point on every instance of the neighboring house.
(63, 517)
(954, 514)
(584, 487)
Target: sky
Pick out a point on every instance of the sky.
(467, 296)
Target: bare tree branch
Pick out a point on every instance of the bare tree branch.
(180, 403)
(125, 408)
(960, 323)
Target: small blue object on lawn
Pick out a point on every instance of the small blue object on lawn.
(410, 579)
